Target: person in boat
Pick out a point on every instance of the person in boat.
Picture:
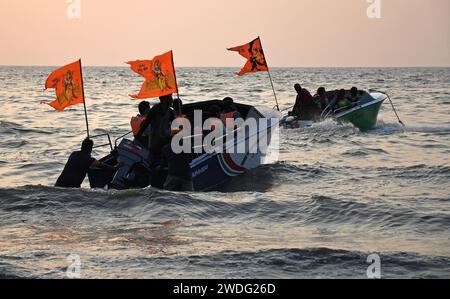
(215, 116)
(214, 112)
(178, 108)
(178, 111)
(136, 122)
(78, 165)
(229, 114)
(160, 119)
(341, 101)
(178, 166)
(321, 98)
(354, 95)
(304, 107)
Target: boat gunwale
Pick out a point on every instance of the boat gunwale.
(359, 107)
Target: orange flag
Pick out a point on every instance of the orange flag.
(254, 53)
(68, 84)
(159, 74)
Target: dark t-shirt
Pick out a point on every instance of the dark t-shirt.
(304, 105)
(75, 170)
(305, 98)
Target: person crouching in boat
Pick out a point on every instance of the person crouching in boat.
(78, 165)
(344, 102)
(178, 165)
(136, 122)
(321, 98)
(304, 108)
(341, 102)
(354, 95)
(229, 114)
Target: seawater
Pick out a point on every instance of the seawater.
(335, 196)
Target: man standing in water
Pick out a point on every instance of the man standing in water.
(77, 166)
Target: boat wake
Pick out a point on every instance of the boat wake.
(395, 128)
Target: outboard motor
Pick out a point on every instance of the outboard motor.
(134, 170)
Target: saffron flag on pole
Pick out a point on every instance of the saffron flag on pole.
(254, 53)
(159, 74)
(68, 84)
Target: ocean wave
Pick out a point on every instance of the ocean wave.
(279, 263)
(13, 128)
(299, 172)
(417, 172)
(320, 263)
(374, 215)
(363, 152)
(150, 204)
(12, 271)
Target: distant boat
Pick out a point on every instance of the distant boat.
(362, 114)
(210, 171)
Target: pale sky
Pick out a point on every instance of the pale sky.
(294, 33)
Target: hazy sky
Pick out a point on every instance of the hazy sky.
(293, 32)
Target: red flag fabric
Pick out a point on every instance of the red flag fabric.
(254, 53)
(68, 84)
(159, 74)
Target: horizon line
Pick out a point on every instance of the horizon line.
(237, 67)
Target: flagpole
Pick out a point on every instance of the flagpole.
(84, 100)
(176, 83)
(270, 77)
(273, 88)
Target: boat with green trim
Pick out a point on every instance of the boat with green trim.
(363, 114)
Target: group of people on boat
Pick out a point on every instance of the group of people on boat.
(152, 129)
(310, 108)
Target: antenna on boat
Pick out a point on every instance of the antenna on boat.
(392, 104)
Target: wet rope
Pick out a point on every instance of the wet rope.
(392, 104)
(395, 110)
